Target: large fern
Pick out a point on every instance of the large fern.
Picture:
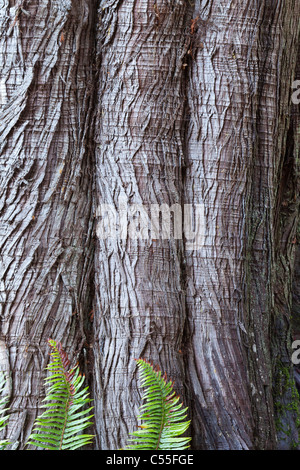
(162, 414)
(3, 410)
(65, 417)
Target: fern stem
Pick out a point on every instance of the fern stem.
(68, 375)
(65, 423)
(163, 418)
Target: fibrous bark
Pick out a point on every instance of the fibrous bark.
(45, 190)
(192, 108)
(139, 307)
(244, 56)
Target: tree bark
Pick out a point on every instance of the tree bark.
(244, 57)
(139, 306)
(45, 195)
(287, 285)
(152, 105)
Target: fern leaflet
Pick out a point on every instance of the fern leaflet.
(162, 414)
(59, 426)
(3, 416)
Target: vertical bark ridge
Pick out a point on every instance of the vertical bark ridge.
(139, 308)
(266, 238)
(238, 90)
(45, 195)
(286, 401)
(219, 147)
(296, 174)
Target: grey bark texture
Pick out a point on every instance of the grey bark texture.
(45, 195)
(139, 297)
(239, 99)
(137, 104)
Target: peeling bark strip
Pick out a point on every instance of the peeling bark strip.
(139, 310)
(45, 189)
(239, 84)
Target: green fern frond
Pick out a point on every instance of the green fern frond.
(162, 414)
(3, 416)
(59, 426)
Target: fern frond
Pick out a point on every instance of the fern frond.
(162, 414)
(59, 426)
(3, 411)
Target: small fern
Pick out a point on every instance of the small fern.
(58, 427)
(3, 416)
(162, 414)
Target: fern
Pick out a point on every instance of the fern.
(58, 427)
(162, 413)
(3, 416)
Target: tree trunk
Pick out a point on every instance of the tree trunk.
(172, 109)
(287, 286)
(45, 202)
(139, 306)
(242, 66)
